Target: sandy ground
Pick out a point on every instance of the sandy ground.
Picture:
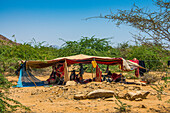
(60, 98)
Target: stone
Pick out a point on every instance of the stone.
(138, 83)
(107, 83)
(122, 94)
(138, 99)
(136, 95)
(133, 95)
(110, 99)
(143, 84)
(130, 88)
(80, 96)
(142, 106)
(136, 88)
(78, 108)
(51, 100)
(144, 94)
(100, 93)
(153, 94)
(71, 83)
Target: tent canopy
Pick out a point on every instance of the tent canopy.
(85, 59)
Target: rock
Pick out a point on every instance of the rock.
(136, 95)
(143, 84)
(80, 96)
(100, 93)
(122, 94)
(51, 100)
(99, 99)
(79, 92)
(144, 94)
(84, 86)
(153, 94)
(131, 88)
(65, 88)
(138, 83)
(71, 83)
(107, 83)
(133, 95)
(138, 99)
(125, 87)
(78, 108)
(110, 99)
(136, 88)
(142, 106)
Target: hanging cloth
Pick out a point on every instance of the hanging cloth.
(98, 74)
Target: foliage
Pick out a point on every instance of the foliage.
(122, 107)
(154, 25)
(153, 56)
(5, 106)
(88, 46)
(160, 89)
(150, 78)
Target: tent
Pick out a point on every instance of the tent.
(67, 61)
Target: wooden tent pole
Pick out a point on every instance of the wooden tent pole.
(92, 72)
(65, 71)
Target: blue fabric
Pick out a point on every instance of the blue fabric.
(19, 84)
(24, 77)
(32, 84)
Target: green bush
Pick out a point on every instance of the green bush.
(4, 99)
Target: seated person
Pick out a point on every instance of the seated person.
(73, 75)
(60, 70)
(113, 77)
(52, 78)
(116, 77)
(108, 75)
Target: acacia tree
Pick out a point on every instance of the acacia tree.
(86, 45)
(155, 24)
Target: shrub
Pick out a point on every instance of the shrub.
(5, 106)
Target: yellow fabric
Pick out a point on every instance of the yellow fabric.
(94, 64)
(120, 67)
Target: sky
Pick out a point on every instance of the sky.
(49, 20)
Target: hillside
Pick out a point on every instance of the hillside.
(6, 41)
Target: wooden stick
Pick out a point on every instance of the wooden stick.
(92, 72)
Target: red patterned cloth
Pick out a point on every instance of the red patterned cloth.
(115, 76)
(137, 69)
(60, 71)
(98, 74)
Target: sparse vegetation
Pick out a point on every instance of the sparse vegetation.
(159, 88)
(5, 101)
(122, 107)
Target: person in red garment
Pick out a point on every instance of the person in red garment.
(113, 77)
(60, 71)
(137, 69)
(56, 75)
(53, 77)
